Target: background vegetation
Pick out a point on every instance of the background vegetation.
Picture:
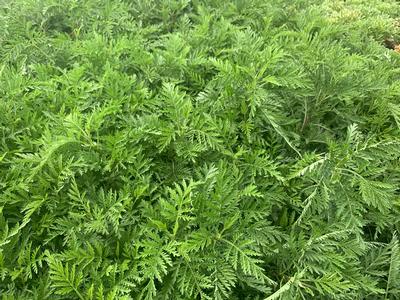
(203, 149)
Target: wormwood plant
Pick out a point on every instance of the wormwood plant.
(199, 149)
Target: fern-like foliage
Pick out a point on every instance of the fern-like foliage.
(199, 149)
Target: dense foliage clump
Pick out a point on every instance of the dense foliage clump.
(243, 149)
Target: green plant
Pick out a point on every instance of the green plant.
(199, 149)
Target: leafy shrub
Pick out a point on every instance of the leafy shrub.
(199, 149)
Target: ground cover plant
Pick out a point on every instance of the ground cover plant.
(199, 149)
